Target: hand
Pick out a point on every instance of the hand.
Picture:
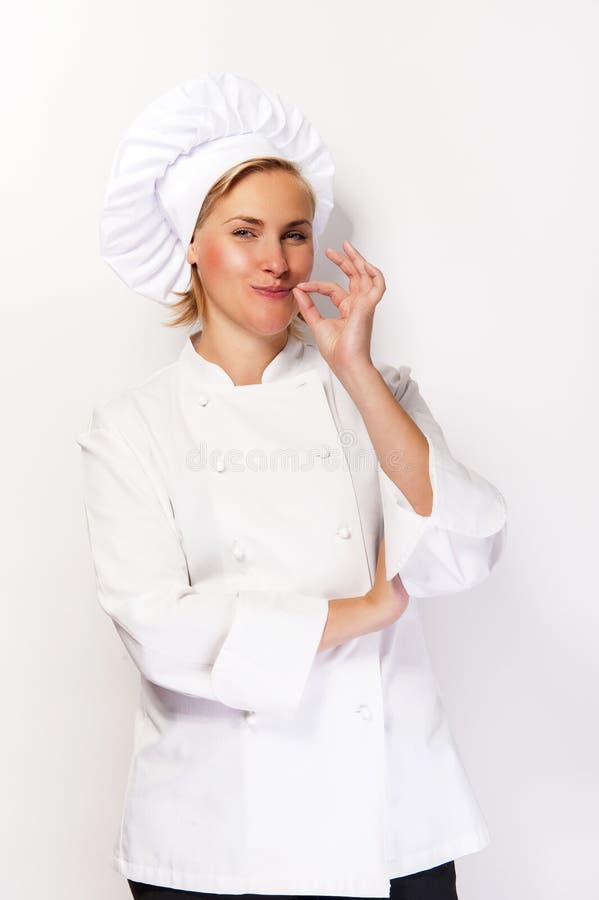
(389, 598)
(344, 342)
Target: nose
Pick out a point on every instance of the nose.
(274, 259)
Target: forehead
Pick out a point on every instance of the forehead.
(270, 194)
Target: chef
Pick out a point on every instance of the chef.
(265, 515)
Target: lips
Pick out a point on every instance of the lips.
(272, 293)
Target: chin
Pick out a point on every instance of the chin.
(272, 318)
(270, 328)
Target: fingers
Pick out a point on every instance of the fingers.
(345, 264)
(357, 267)
(308, 308)
(377, 277)
(366, 281)
(364, 266)
(356, 258)
(329, 288)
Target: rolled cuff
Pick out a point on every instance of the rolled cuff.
(464, 504)
(265, 660)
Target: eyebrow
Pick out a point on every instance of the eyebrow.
(259, 222)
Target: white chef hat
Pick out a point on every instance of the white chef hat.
(171, 156)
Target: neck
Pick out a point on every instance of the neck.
(242, 355)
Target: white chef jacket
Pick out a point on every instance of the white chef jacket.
(222, 518)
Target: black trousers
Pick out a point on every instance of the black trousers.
(438, 883)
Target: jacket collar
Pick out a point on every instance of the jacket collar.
(285, 364)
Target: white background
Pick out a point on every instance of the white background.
(466, 141)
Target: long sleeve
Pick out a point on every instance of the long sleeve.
(247, 649)
(456, 546)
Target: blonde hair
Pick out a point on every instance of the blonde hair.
(190, 308)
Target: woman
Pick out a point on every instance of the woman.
(262, 514)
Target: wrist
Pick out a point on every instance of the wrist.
(359, 378)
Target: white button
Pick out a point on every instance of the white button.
(343, 531)
(238, 551)
(220, 464)
(203, 400)
(250, 717)
(364, 711)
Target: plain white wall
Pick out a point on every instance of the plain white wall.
(466, 141)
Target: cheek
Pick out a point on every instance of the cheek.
(211, 260)
(219, 261)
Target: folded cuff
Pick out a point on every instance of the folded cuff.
(464, 503)
(265, 660)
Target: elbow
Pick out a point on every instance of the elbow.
(192, 677)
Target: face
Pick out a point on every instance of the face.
(235, 257)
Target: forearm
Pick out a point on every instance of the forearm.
(400, 445)
(349, 617)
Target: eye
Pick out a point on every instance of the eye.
(241, 232)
